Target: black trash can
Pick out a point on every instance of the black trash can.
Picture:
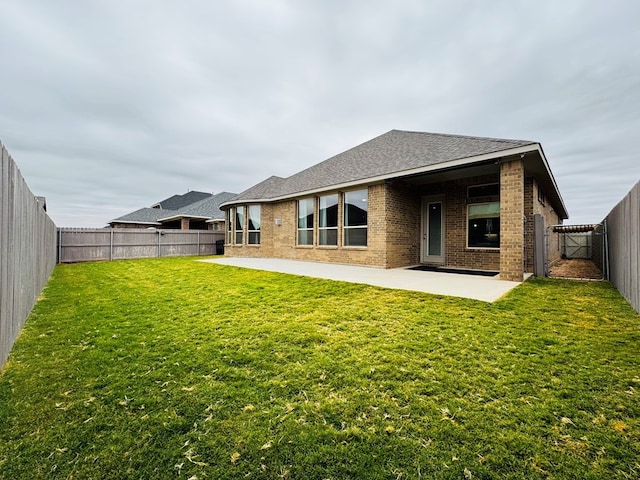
(219, 247)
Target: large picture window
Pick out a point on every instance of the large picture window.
(239, 225)
(254, 225)
(305, 221)
(328, 220)
(483, 225)
(355, 218)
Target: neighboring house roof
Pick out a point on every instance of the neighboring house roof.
(144, 216)
(208, 208)
(394, 154)
(176, 202)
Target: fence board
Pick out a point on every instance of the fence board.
(82, 245)
(27, 252)
(623, 242)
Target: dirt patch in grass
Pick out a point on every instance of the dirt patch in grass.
(576, 268)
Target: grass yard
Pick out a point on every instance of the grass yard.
(171, 368)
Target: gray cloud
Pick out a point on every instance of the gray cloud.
(111, 106)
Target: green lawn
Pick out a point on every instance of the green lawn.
(172, 368)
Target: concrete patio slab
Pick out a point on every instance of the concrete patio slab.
(487, 289)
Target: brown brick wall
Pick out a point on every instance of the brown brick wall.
(279, 241)
(512, 220)
(456, 251)
(535, 206)
(395, 222)
(402, 217)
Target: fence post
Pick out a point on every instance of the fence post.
(198, 243)
(111, 245)
(159, 235)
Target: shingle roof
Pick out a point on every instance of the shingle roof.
(394, 152)
(208, 208)
(176, 202)
(143, 216)
(268, 188)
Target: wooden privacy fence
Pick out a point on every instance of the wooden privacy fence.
(623, 245)
(27, 252)
(83, 244)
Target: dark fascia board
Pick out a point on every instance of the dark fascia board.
(134, 222)
(177, 217)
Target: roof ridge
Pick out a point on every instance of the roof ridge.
(457, 135)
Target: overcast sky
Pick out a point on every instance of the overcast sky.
(109, 106)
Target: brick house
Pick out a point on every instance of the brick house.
(403, 199)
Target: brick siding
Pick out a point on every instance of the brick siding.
(394, 229)
(512, 220)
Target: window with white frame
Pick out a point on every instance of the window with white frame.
(305, 221)
(483, 220)
(355, 218)
(253, 229)
(239, 225)
(328, 220)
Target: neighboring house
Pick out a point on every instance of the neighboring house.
(192, 211)
(176, 202)
(407, 198)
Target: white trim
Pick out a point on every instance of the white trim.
(553, 180)
(404, 173)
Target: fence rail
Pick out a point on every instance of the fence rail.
(91, 244)
(27, 252)
(623, 244)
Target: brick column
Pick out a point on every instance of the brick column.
(184, 224)
(512, 220)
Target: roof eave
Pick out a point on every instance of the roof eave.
(177, 217)
(564, 214)
(133, 222)
(462, 162)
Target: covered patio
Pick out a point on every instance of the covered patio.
(476, 287)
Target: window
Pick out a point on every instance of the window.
(355, 218)
(230, 215)
(254, 225)
(239, 225)
(541, 197)
(483, 225)
(305, 221)
(328, 220)
(478, 191)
